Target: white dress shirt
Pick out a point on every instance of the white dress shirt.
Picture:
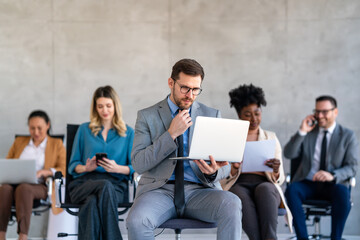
(315, 165)
(35, 152)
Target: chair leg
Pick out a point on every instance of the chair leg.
(317, 234)
(177, 234)
(316, 224)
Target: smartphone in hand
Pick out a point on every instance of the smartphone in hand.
(312, 122)
(100, 156)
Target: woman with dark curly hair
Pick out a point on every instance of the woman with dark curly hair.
(260, 192)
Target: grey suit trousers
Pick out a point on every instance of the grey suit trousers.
(153, 208)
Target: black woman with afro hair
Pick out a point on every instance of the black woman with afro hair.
(260, 192)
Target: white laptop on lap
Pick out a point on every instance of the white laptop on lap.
(15, 171)
(222, 138)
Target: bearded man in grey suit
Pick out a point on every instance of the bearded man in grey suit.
(157, 133)
(328, 156)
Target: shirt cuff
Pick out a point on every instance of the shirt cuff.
(211, 177)
(301, 133)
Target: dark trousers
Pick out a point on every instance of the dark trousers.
(338, 194)
(100, 194)
(23, 195)
(260, 202)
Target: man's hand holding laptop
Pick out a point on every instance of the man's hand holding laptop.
(211, 168)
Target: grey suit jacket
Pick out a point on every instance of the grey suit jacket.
(342, 157)
(153, 147)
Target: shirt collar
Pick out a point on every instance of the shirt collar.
(330, 129)
(42, 144)
(173, 107)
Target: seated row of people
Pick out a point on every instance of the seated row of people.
(164, 130)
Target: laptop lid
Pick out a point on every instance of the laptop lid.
(222, 138)
(15, 171)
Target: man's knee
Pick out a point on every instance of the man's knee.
(341, 194)
(231, 204)
(138, 222)
(291, 191)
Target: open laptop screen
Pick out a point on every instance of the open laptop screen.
(15, 171)
(222, 138)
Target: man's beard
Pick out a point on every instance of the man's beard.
(182, 106)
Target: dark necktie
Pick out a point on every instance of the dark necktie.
(323, 152)
(179, 197)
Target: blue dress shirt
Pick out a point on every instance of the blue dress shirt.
(189, 174)
(86, 145)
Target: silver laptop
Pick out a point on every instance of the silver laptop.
(15, 171)
(222, 138)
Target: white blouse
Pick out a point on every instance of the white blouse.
(37, 153)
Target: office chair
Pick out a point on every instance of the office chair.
(73, 208)
(39, 206)
(179, 224)
(314, 207)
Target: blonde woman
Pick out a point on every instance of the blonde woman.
(100, 184)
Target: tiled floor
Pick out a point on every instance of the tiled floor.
(213, 237)
(184, 236)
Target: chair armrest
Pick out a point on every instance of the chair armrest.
(58, 183)
(137, 178)
(288, 179)
(352, 182)
(49, 184)
(131, 189)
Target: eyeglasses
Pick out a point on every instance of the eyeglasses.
(324, 112)
(185, 90)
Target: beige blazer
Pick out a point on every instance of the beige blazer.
(55, 156)
(228, 182)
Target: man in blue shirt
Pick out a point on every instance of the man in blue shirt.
(164, 131)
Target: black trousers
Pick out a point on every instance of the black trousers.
(100, 194)
(260, 202)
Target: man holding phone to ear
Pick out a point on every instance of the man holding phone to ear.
(328, 154)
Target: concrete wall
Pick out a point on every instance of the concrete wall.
(55, 53)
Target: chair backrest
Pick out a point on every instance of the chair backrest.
(60, 136)
(294, 165)
(71, 130)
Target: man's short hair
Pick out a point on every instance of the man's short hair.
(189, 67)
(331, 99)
